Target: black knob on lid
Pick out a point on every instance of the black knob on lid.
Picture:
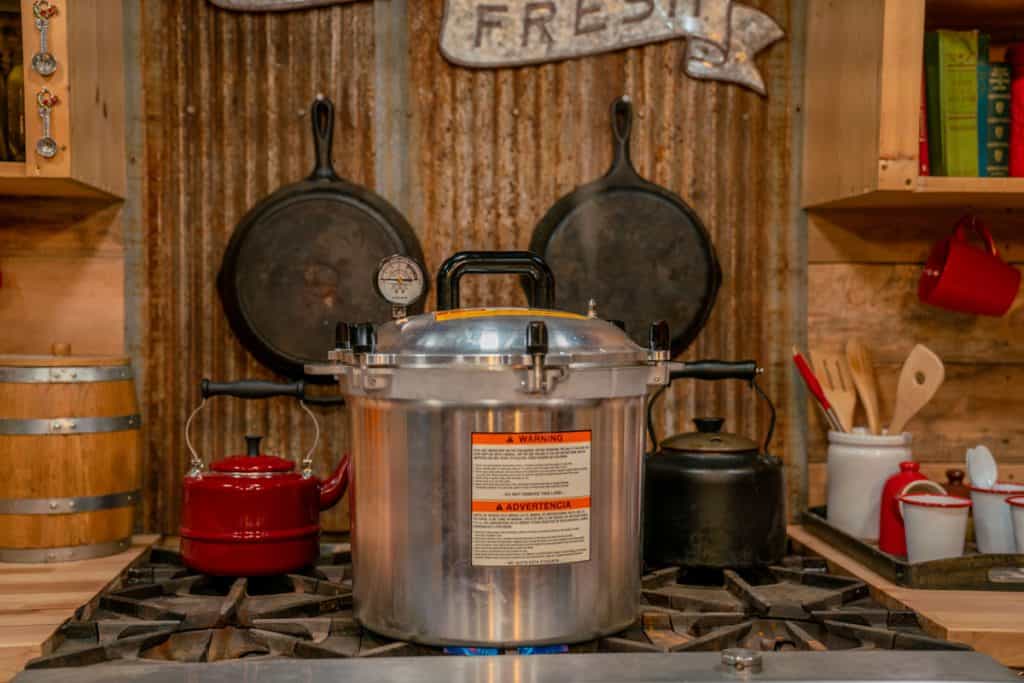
(536, 338)
(621, 324)
(252, 445)
(343, 336)
(659, 339)
(709, 425)
(364, 338)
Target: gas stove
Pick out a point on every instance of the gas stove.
(160, 620)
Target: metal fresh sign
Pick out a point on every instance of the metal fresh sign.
(722, 36)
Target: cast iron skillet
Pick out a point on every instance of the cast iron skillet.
(304, 258)
(634, 247)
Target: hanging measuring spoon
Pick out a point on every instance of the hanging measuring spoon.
(46, 146)
(43, 62)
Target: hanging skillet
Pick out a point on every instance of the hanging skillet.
(635, 247)
(304, 258)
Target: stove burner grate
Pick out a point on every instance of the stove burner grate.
(159, 611)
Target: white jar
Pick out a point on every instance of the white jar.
(858, 465)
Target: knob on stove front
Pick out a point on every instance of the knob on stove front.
(742, 659)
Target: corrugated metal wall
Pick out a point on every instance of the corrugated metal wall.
(474, 159)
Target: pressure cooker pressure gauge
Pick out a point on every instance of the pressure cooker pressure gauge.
(400, 281)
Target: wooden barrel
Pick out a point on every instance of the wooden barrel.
(69, 457)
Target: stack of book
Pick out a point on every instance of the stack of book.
(966, 111)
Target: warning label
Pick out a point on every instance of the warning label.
(531, 498)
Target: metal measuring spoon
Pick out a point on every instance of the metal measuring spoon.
(46, 146)
(43, 62)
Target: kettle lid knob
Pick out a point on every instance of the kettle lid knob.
(252, 445)
(709, 425)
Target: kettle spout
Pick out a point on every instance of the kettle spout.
(334, 487)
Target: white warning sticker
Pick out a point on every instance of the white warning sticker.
(531, 498)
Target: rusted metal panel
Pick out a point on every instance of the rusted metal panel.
(225, 102)
(274, 5)
(483, 153)
(496, 148)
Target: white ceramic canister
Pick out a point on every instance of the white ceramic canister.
(936, 526)
(1017, 515)
(858, 466)
(993, 527)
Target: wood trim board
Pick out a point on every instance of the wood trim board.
(36, 598)
(988, 621)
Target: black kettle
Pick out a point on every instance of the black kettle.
(714, 499)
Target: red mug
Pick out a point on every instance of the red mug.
(960, 276)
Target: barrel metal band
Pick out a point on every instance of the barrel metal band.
(66, 506)
(70, 425)
(66, 554)
(65, 375)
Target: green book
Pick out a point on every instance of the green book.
(955, 76)
(982, 75)
(997, 158)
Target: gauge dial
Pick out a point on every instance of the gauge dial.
(400, 280)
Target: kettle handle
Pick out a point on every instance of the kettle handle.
(717, 369)
(252, 388)
(255, 389)
(713, 370)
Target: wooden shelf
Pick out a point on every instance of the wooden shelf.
(863, 101)
(88, 121)
(11, 169)
(14, 187)
(936, 192)
(992, 15)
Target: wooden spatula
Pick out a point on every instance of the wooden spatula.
(863, 370)
(835, 379)
(921, 376)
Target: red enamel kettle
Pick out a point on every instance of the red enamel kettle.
(254, 514)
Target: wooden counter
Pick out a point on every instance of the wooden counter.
(36, 598)
(989, 621)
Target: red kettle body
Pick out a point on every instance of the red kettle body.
(254, 514)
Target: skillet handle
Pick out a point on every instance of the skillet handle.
(542, 280)
(321, 116)
(622, 127)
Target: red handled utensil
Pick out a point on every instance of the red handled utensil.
(815, 388)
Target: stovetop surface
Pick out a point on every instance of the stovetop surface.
(160, 612)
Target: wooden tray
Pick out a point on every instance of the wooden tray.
(973, 571)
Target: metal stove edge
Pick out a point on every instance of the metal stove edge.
(796, 667)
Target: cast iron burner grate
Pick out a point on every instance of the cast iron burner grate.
(159, 611)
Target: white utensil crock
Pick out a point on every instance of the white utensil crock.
(858, 465)
(993, 526)
(936, 526)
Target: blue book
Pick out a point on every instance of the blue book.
(997, 162)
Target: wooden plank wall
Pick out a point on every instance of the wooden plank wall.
(61, 276)
(862, 282)
(476, 161)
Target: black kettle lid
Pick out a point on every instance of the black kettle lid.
(709, 438)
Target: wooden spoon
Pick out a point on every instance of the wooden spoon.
(863, 371)
(921, 376)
